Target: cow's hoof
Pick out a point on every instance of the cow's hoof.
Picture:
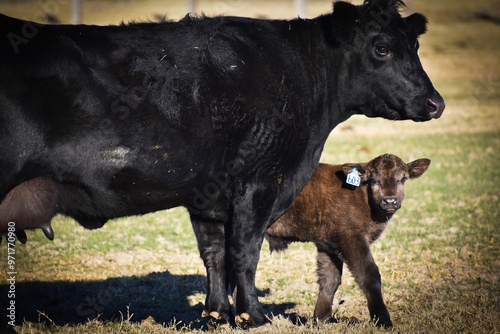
(215, 320)
(245, 321)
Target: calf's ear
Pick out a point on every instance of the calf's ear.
(362, 170)
(418, 22)
(418, 167)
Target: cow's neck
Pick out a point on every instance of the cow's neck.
(324, 68)
(328, 68)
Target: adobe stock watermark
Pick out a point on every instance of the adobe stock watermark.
(29, 30)
(208, 193)
(96, 304)
(12, 273)
(362, 37)
(484, 90)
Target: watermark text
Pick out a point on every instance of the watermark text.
(11, 273)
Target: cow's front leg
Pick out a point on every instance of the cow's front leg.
(329, 278)
(360, 261)
(211, 244)
(251, 215)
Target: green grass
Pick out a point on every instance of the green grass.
(439, 257)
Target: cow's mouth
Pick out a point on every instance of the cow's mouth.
(430, 108)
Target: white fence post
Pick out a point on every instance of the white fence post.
(191, 6)
(77, 12)
(300, 8)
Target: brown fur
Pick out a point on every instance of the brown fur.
(343, 220)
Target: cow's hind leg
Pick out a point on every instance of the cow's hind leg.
(329, 278)
(211, 244)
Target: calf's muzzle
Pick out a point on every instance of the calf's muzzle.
(390, 204)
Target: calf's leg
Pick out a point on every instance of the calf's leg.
(360, 261)
(211, 244)
(329, 278)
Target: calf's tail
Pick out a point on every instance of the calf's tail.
(276, 243)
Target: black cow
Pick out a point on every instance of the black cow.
(225, 116)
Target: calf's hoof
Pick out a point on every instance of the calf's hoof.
(322, 317)
(246, 321)
(383, 322)
(215, 320)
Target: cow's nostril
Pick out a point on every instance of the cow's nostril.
(435, 108)
(431, 106)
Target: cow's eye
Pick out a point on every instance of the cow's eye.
(382, 50)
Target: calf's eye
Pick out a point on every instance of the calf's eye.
(382, 50)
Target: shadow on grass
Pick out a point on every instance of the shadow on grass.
(163, 296)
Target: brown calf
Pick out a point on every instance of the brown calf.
(343, 220)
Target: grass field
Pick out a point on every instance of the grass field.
(439, 257)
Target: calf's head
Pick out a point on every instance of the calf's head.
(383, 76)
(385, 178)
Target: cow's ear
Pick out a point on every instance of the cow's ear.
(361, 168)
(418, 167)
(345, 17)
(418, 22)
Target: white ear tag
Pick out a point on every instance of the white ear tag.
(353, 178)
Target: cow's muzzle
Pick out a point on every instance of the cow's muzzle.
(435, 106)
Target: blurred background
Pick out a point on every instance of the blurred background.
(116, 11)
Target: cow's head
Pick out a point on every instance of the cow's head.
(383, 76)
(385, 178)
